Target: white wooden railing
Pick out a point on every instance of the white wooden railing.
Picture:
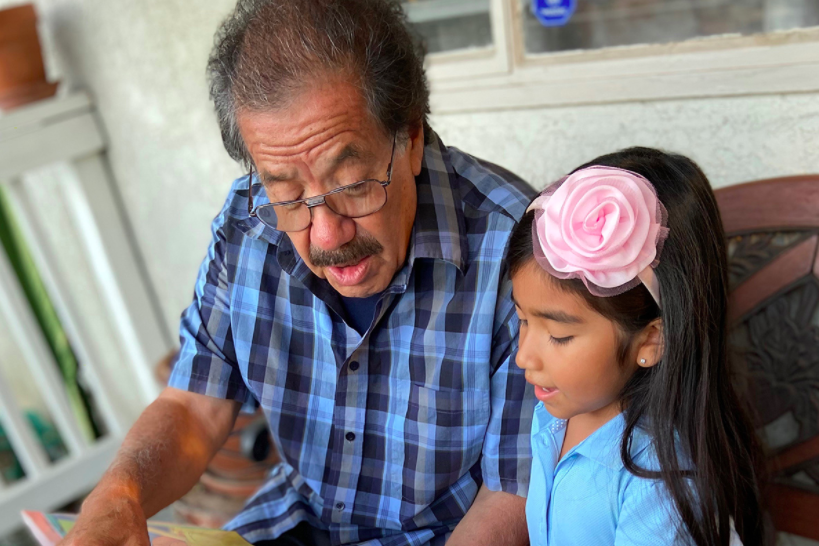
(65, 131)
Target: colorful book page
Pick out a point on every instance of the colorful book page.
(48, 529)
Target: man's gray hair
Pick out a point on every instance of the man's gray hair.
(268, 50)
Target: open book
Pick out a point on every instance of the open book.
(48, 529)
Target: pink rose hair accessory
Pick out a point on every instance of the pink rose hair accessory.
(602, 225)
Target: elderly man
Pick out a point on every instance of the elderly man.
(355, 290)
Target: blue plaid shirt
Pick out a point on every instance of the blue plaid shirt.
(385, 438)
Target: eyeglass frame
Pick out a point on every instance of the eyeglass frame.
(318, 200)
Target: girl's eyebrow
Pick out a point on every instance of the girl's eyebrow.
(558, 316)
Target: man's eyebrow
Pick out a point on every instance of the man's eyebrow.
(268, 179)
(350, 151)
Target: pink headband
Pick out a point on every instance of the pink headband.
(602, 225)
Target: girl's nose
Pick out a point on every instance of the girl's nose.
(522, 361)
(525, 359)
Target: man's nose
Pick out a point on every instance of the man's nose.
(329, 230)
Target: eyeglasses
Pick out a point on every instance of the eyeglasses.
(354, 200)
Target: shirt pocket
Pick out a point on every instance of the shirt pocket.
(444, 433)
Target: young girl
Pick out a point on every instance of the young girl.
(619, 276)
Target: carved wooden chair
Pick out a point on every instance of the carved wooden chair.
(772, 227)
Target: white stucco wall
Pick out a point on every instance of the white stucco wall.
(143, 61)
(733, 139)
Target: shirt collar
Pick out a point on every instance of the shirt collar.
(253, 228)
(439, 231)
(603, 445)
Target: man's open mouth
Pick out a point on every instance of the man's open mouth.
(350, 274)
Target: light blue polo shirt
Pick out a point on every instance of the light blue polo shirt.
(588, 497)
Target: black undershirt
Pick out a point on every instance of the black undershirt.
(360, 311)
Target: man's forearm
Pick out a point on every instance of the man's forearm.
(494, 518)
(165, 452)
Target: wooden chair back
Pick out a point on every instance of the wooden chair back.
(772, 229)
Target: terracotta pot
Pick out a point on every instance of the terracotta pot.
(204, 508)
(22, 73)
(230, 487)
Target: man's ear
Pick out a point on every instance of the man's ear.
(650, 348)
(415, 147)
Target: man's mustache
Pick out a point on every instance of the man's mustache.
(351, 253)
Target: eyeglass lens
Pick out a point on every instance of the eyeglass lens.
(355, 201)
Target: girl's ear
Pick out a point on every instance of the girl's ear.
(650, 344)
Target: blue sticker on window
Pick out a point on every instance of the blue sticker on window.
(553, 13)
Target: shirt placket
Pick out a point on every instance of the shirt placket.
(350, 413)
(348, 423)
(556, 435)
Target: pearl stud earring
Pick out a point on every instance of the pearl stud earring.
(642, 361)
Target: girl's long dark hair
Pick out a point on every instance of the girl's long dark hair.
(705, 443)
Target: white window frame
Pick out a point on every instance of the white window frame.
(719, 66)
(495, 59)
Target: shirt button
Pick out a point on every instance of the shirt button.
(339, 506)
(350, 436)
(354, 365)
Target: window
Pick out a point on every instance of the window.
(674, 49)
(451, 25)
(598, 24)
(464, 38)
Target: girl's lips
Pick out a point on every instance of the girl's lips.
(543, 393)
(350, 275)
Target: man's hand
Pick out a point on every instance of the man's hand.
(161, 458)
(109, 520)
(494, 518)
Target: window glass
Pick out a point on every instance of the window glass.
(604, 23)
(450, 25)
